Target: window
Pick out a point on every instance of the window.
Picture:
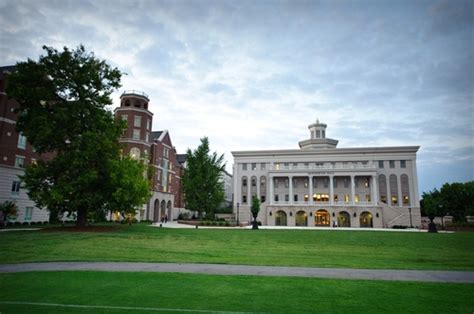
(367, 198)
(394, 200)
(148, 124)
(346, 198)
(318, 133)
(124, 117)
(244, 166)
(287, 182)
(166, 152)
(277, 166)
(33, 161)
(147, 136)
(356, 198)
(135, 153)
(381, 164)
(295, 165)
(367, 183)
(306, 197)
(21, 141)
(305, 183)
(286, 165)
(254, 166)
(276, 197)
(136, 134)
(287, 197)
(254, 182)
(406, 200)
(323, 133)
(346, 182)
(295, 197)
(138, 121)
(392, 163)
(336, 198)
(15, 187)
(326, 182)
(244, 199)
(28, 213)
(244, 182)
(262, 166)
(403, 163)
(20, 162)
(262, 198)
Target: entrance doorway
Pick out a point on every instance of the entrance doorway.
(280, 218)
(322, 218)
(366, 220)
(344, 219)
(301, 219)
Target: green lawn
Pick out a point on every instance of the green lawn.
(226, 293)
(356, 249)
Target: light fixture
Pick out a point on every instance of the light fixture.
(377, 215)
(355, 215)
(291, 213)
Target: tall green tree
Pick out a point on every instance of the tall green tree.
(202, 184)
(455, 199)
(62, 110)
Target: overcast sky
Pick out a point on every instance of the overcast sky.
(254, 74)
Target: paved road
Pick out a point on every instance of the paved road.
(219, 269)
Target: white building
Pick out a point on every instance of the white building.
(322, 185)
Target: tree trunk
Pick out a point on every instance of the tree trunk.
(81, 218)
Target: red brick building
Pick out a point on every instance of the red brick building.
(156, 149)
(15, 154)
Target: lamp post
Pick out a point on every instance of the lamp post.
(411, 224)
(238, 206)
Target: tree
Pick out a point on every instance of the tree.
(202, 184)
(455, 199)
(255, 209)
(62, 110)
(8, 209)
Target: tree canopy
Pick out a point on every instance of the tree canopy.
(454, 199)
(255, 209)
(202, 184)
(62, 110)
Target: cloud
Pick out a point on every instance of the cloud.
(253, 75)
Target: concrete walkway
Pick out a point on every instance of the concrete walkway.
(219, 269)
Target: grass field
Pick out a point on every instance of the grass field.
(226, 293)
(377, 250)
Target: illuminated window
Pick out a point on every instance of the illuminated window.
(356, 198)
(306, 197)
(336, 198)
(277, 166)
(367, 183)
(406, 200)
(346, 198)
(394, 200)
(367, 198)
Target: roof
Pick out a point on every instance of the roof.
(155, 135)
(181, 158)
(7, 68)
(329, 151)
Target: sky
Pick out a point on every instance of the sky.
(252, 75)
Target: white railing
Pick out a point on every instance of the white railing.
(282, 167)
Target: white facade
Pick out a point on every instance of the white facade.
(321, 185)
(10, 190)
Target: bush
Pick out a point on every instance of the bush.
(227, 223)
(180, 216)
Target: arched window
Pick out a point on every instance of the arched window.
(405, 189)
(366, 220)
(253, 188)
(393, 189)
(383, 188)
(135, 153)
(322, 218)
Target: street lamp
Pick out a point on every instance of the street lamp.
(411, 224)
(238, 206)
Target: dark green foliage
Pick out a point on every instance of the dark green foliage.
(62, 111)
(202, 185)
(255, 209)
(8, 209)
(455, 199)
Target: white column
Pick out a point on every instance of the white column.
(258, 186)
(249, 191)
(375, 194)
(271, 190)
(311, 190)
(290, 179)
(399, 191)
(353, 190)
(331, 190)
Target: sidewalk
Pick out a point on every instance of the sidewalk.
(220, 269)
(174, 224)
